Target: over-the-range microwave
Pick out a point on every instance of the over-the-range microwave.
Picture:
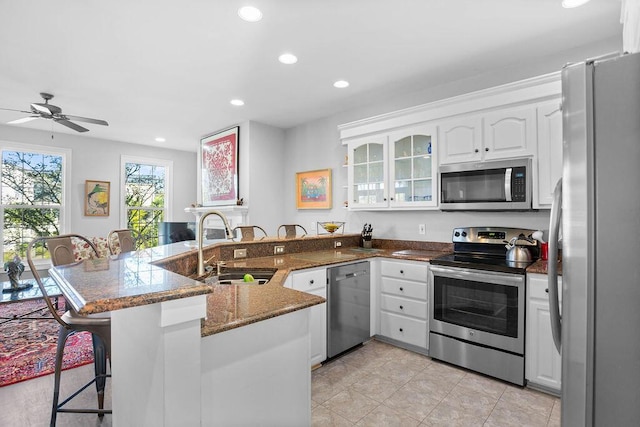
(483, 186)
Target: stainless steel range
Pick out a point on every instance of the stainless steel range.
(476, 319)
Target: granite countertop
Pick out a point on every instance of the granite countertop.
(131, 280)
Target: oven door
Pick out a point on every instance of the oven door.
(478, 306)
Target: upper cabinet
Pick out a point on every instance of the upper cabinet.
(499, 134)
(393, 161)
(393, 170)
(549, 160)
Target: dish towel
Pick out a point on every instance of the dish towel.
(630, 20)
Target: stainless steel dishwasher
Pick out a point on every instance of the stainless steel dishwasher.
(348, 305)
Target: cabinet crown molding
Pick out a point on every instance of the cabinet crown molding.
(540, 88)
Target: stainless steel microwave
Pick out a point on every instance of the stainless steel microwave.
(484, 186)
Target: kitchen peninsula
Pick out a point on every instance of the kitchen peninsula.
(170, 367)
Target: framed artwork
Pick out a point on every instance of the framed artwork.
(219, 168)
(313, 189)
(96, 198)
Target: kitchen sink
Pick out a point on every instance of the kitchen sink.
(235, 276)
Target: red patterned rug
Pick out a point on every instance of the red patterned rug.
(28, 347)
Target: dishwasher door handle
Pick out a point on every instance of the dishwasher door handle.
(351, 275)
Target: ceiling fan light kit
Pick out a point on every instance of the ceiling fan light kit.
(48, 111)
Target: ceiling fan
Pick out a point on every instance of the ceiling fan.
(45, 110)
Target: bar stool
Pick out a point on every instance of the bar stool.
(121, 241)
(291, 230)
(61, 250)
(248, 232)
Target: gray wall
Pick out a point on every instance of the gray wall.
(98, 159)
(316, 145)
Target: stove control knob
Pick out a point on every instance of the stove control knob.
(457, 234)
(464, 234)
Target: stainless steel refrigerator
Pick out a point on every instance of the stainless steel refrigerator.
(599, 197)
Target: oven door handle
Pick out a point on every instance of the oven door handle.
(478, 275)
(507, 184)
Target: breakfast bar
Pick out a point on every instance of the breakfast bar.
(170, 367)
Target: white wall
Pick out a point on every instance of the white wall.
(316, 145)
(262, 174)
(99, 159)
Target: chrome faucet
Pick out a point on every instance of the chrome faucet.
(227, 232)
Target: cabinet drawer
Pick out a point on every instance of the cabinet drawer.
(401, 328)
(402, 270)
(404, 306)
(306, 281)
(538, 286)
(404, 288)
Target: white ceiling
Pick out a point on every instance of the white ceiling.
(169, 68)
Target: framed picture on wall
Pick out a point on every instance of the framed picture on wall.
(313, 189)
(96, 198)
(219, 168)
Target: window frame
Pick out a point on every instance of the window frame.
(168, 184)
(65, 217)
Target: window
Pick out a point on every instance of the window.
(32, 196)
(146, 197)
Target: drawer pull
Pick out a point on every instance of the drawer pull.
(311, 282)
(547, 290)
(401, 308)
(400, 329)
(401, 271)
(401, 289)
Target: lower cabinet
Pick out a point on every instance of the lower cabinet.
(542, 360)
(403, 303)
(314, 281)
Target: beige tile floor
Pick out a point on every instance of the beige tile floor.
(375, 385)
(382, 385)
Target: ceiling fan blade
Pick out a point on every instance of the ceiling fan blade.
(88, 120)
(23, 120)
(17, 111)
(41, 108)
(71, 125)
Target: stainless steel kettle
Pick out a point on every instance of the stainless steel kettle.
(517, 253)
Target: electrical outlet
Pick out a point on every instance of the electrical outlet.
(278, 250)
(337, 244)
(239, 253)
(422, 229)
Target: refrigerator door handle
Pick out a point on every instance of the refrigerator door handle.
(552, 266)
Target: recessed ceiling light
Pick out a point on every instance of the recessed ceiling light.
(160, 139)
(237, 102)
(568, 4)
(288, 58)
(250, 13)
(341, 84)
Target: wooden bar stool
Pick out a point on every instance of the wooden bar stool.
(61, 249)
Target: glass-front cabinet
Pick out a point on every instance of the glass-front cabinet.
(394, 170)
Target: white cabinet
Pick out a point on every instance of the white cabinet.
(395, 170)
(314, 281)
(460, 140)
(549, 159)
(543, 363)
(498, 134)
(403, 302)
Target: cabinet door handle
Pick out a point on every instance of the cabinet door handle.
(392, 199)
(486, 149)
(547, 290)
(400, 329)
(476, 150)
